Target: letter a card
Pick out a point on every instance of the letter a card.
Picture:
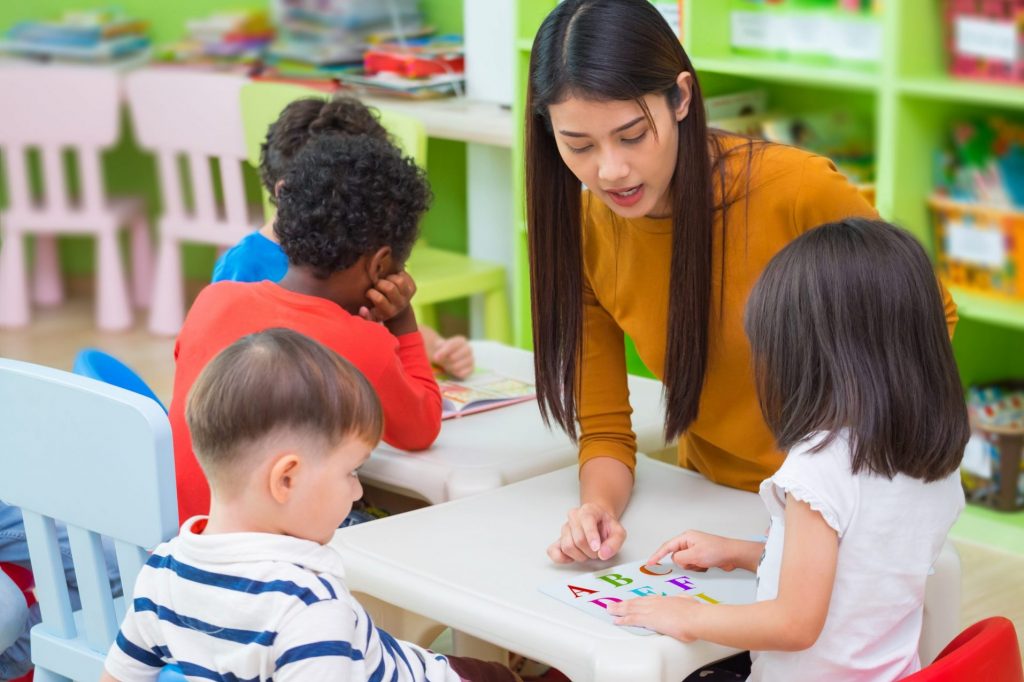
(593, 592)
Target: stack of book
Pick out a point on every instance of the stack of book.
(86, 36)
(224, 39)
(321, 39)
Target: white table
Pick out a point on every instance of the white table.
(476, 564)
(454, 118)
(487, 450)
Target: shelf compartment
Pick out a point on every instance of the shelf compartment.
(832, 78)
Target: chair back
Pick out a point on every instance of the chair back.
(262, 103)
(54, 110)
(96, 364)
(987, 650)
(99, 459)
(193, 119)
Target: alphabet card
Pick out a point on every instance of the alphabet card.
(593, 592)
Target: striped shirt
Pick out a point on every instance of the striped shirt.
(255, 607)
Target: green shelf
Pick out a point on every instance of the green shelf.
(524, 44)
(983, 308)
(781, 71)
(947, 89)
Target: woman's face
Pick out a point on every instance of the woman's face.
(613, 149)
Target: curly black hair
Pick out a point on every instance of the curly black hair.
(348, 195)
(306, 118)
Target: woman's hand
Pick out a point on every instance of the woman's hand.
(672, 616)
(697, 551)
(590, 532)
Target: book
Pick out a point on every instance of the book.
(482, 390)
(593, 592)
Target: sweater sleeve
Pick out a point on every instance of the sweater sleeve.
(603, 402)
(825, 196)
(409, 396)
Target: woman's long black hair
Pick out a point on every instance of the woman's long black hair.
(610, 50)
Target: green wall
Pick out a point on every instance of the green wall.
(130, 171)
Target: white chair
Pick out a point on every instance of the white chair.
(180, 113)
(941, 605)
(99, 459)
(56, 109)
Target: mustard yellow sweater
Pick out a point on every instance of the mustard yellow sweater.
(626, 280)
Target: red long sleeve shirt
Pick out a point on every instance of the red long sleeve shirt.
(224, 312)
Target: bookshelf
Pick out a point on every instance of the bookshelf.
(912, 101)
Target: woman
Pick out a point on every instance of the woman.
(674, 226)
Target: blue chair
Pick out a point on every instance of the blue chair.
(98, 458)
(96, 364)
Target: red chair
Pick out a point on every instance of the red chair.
(22, 577)
(985, 652)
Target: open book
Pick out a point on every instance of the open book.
(482, 390)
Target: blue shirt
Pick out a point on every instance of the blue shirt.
(253, 259)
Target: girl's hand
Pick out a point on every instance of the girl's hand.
(697, 551)
(455, 356)
(672, 616)
(590, 533)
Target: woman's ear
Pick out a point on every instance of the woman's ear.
(277, 188)
(379, 265)
(684, 81)
(282, 477)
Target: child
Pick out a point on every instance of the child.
(254, 591)
(348, 217)
(259, 256)
(857, 380)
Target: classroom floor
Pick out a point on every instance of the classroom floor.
(992, 579)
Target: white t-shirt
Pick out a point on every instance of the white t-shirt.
(890, 534)
(257, 606)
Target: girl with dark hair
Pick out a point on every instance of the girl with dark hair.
(674, 225)
(857, 381)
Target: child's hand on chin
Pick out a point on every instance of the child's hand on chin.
(670, 616)
(389, 303)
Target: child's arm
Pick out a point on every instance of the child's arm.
(790, 622)
(408, 392)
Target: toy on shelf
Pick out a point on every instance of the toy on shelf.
(992, 468)
(978, 209)
(90, 36)
(225, 40)
(985, 39)
(418, 68)
(822, 32)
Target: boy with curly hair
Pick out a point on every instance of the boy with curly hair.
(259, 255)
(348, 215)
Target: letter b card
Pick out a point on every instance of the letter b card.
(593, 592)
